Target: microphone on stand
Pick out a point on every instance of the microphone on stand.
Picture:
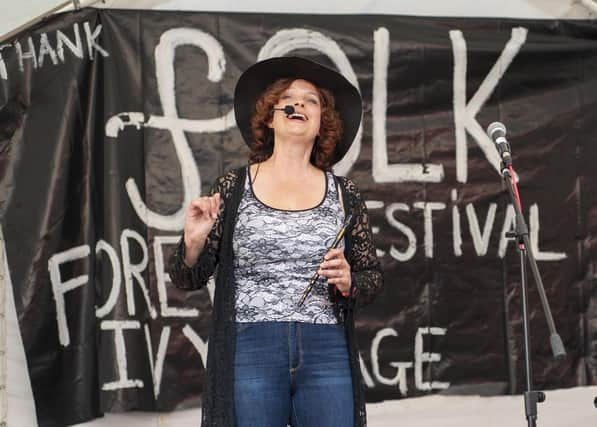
(288, 109)
(497, 132)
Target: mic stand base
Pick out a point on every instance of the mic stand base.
(531, 398)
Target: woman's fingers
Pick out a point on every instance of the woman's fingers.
(334, 253)
(215, 205)
(342, 283)
(337, 270)
(334, 272)
(335, 280)
(212, 207)
(208, 206)
(333, 263)
(200, 205)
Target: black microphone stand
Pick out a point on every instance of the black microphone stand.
(521, 234)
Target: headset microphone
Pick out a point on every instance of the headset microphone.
(288, 109)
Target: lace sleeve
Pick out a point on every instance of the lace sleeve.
(367, 277)
(195, 277)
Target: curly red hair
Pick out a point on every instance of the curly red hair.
(330, 129)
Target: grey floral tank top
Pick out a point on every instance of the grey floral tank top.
(276, 252)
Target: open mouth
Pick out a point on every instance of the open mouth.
(298, 116)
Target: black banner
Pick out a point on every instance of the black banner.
(112, 121)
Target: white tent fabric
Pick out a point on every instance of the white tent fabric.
(507, 8)
(563, 408)
(16, 14)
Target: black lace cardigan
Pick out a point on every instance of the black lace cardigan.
(218, 395)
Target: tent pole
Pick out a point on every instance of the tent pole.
(3, 356)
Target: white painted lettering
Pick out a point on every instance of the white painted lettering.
(411, 249)
(198, 343)
(30, 54)
(103, 246)
(400, 377)
(91, 43)
(191, 182)
(46, 49)
(456, 226)
(534, 239)
(480, 241)
(365, 373)
(3, 70)
(464, 114)
(118, 326)
(425, 357)
(76, 48)
(162, 277)
(135, 270)
(428, 208)
(381, 170)
(157, 367)
(374, 204)
(508, 225)
(59, 288)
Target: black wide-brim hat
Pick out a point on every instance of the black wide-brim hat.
(258, 77)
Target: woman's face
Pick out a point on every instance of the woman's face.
(306, 119)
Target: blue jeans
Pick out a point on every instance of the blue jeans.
(292, 373)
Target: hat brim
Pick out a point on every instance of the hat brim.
(258, 77)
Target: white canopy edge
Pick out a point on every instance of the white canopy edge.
(26, 13)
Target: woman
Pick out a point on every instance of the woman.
(268, 227)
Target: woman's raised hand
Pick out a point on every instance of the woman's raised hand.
(200, 218)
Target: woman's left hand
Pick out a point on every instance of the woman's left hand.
(337, 270)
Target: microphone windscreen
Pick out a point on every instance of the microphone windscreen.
(496, 130)
(288, 110)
